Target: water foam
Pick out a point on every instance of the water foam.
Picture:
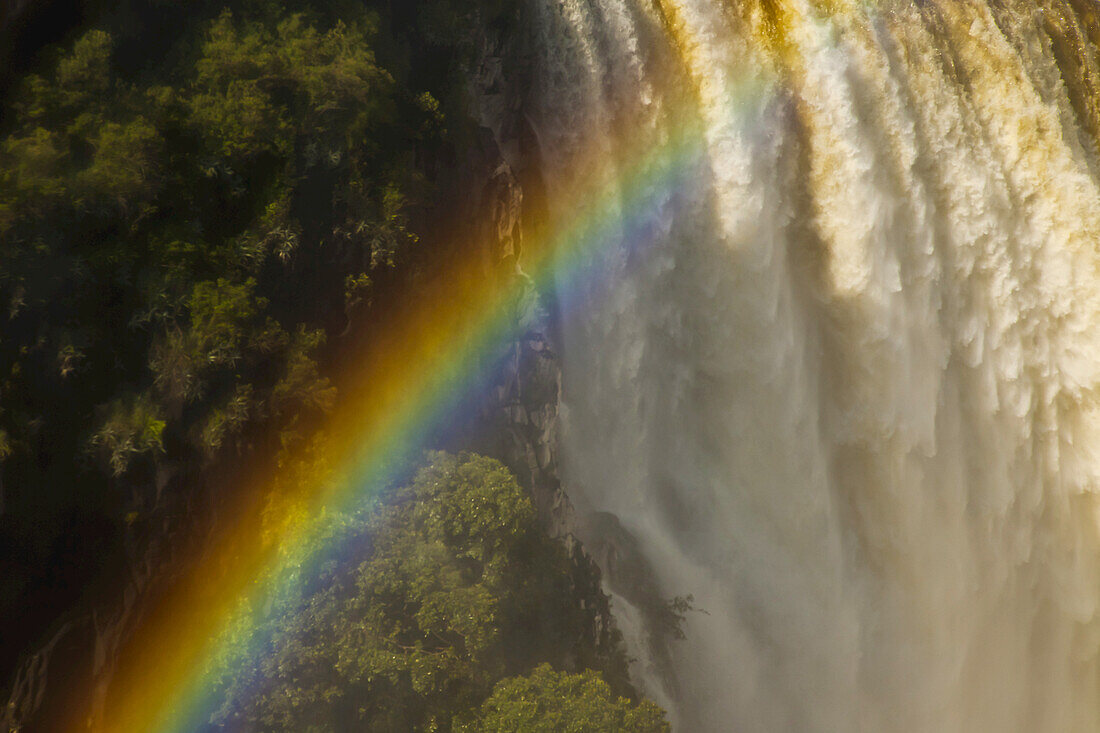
(848, 400)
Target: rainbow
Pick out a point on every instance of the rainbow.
(430, 362)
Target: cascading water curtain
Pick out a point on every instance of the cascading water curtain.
(847, 395)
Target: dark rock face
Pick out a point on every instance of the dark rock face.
(45, 670)
(628, 574)
(523, 418)
(518, 421)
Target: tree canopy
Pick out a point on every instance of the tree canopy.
(549, 701)
(195, 200)
(450, 596)
(179, 238)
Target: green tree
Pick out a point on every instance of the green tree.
(179, 215)
(194, 199)
(454, 589)
(547, 701)
(162, 237)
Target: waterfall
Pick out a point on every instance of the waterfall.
(847, 396)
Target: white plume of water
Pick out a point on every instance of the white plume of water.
(848, 399)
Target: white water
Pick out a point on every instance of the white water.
(848, 398)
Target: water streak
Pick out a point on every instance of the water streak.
(848, 400)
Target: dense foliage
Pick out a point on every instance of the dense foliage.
(451, 589)
(169, 227)
(195, 200)
(547, 701)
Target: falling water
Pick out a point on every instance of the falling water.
(847, 397)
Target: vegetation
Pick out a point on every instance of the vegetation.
(547, 701)
(167, 227)
(194, 200)
(452, 589)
